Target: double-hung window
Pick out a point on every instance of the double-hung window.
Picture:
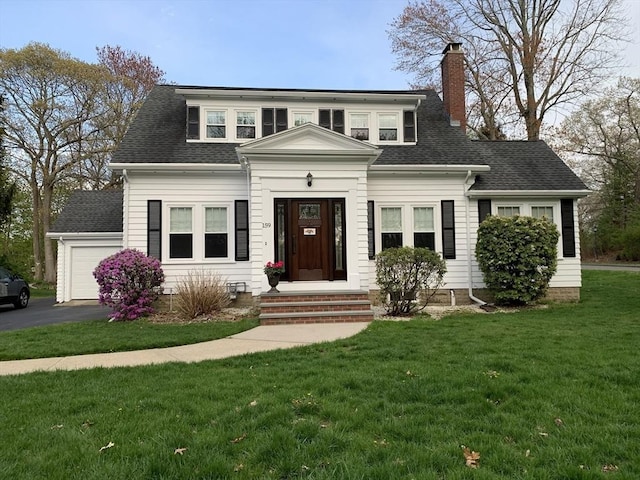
(216, 236)
(424, 234)
(387, 127)
(180, 232)
(359, 126)
(216, 124)
(508, 211)
(542, 212)
(391, 227)
(245, 124)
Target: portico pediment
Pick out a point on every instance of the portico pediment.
(308, 139)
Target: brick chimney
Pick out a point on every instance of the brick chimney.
(452, 65)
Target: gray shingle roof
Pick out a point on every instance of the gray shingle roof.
(158, 135)
(525, 165)
(91, 211)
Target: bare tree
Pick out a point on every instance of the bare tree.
(524, 58)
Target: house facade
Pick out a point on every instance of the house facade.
(227, 179)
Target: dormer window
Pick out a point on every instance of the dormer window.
(300, 118)
(245, 124)
(193, 123)
(388, 127)
(216, 124)
(359, 125)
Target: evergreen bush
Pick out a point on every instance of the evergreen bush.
(408, 277)
(518, 257)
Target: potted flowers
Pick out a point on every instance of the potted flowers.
(273, 271)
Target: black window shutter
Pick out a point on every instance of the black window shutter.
(267, 122)
(484, 209)
(193, 123)
(325, 118)
(242, 230)
(281, 119)
(409, 126)
(568, 231)
(448, 229)
(338, 121)
(154, 228)
(371, 229)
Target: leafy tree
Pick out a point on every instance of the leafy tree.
(63, 119)
(602, 141)
(7, 185)
(518, 257)
(524, 58)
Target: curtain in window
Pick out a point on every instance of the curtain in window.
(180, 219)
(216, 220)
(423, 219)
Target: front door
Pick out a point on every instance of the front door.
(311, 239)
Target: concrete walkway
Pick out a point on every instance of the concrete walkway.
(259, 339)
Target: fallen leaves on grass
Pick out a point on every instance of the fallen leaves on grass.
(180, 451)
(492, 374)
(472, 459)
(57, 427)
(254, 403)
(609, 468)
(239, 439)
(87, 424)
(559, 422)
(107, 446)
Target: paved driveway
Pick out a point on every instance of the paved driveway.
(43, 311)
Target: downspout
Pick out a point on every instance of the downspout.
(125, 209)
(245, 163)
(473, 298)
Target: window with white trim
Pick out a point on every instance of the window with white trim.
(508, 210)
(388, 127)
(300, 118)
(391, 227)
(542, 211)
(216, 124)
(180, 232)
(424, 232)
(359, 124)
(245, 124)
(216, 235)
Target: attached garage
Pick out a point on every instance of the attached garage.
(88, 229)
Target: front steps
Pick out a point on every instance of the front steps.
(323, 307)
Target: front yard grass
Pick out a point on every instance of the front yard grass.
(541, 394)
(101, 336)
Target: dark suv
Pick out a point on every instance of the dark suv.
(13, 289)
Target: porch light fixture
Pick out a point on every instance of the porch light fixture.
(309, 179)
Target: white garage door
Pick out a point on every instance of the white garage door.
(83, 261)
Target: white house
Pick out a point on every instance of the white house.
(227, 179)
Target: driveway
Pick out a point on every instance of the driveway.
(43, 311)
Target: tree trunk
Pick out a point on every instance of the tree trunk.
(49, 251)
(35, 230)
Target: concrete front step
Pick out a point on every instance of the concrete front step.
(325, 307)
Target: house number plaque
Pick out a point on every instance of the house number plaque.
(309, 231)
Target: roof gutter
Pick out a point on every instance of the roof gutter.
(176, 167)
(62, 236)
(527, 193)
(430, 168)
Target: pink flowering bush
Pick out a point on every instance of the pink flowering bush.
(129, 283)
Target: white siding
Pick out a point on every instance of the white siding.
(196, 189)
(407, 191)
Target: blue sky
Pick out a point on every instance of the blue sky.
(332, 44)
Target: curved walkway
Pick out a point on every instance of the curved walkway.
(259, 339)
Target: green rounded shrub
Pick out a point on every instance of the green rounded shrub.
(518, 257)
(408, 277)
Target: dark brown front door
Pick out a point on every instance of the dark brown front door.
(310, 236)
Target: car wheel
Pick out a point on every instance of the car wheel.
(23, 299)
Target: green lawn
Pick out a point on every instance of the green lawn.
(99, 336)
(540, 394)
